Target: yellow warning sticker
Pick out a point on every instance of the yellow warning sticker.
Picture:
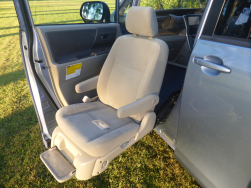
(73, 71)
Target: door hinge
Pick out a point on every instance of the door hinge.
(46, 140)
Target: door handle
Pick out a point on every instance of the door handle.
(218, 65)
(104, 37)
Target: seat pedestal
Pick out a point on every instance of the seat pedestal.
(86, 165)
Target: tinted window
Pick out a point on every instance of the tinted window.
(61, 11)
(235, 20)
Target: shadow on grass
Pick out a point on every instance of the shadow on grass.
(8, 13)
(3, 28)
(15, 123)
(14, 141)
(7, 35)
(58, 10)
(11, 77)
(65, 13)
(99, 181)
(51, 13)
(61, 22)
(8, 17)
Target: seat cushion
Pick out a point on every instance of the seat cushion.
(76, 121)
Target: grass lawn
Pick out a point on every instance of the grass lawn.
(149, 163)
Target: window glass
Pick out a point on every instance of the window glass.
(61, 11)
(171, 4)
(235, 20)
(124, 6)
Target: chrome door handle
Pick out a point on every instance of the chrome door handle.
(211, 65)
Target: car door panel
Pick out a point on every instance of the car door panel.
(67, 45)
(214, 128)
(70, 45)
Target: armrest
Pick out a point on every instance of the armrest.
(141, 105)
(87, 85)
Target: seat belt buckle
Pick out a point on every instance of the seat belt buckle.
(87, 99)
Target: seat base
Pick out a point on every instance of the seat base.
(88, 166)
(81, 124)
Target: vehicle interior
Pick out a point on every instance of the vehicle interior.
(114, 89)
(63, 47)
(230, 22)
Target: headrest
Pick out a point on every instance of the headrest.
(142, 21)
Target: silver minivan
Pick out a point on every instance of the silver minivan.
(102, 83)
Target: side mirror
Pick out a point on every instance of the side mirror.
(97, 11)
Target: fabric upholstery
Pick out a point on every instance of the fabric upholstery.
(131, 74)
(142, 21)
(87, 85)
(76, 121)
(133, 69)
(144, 104)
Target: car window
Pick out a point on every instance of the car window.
(235, 20)
(124, 6)
(171, 4)
(61, 11)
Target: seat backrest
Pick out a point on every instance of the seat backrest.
(136, 63)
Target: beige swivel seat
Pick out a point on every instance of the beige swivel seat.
(91, 134)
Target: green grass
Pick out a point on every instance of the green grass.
(149, 163)
(60, 11)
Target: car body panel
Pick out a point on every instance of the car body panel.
(168, 130)
(214, 132)
(37, 94)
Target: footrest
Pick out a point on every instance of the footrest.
(58, 165)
